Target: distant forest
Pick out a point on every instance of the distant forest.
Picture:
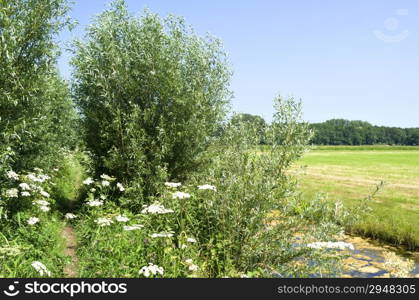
(343, 132)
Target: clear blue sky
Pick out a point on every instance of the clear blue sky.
(356, 59)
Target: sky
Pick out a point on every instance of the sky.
(357, 60)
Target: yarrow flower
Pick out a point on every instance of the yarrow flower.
(45, 194)
(24, 186)
(88, 181)
(133, 227)
(103, 222)
(41, 202)
(12, 193)
(12, 175)
(44, 208)
(331, 245)
(41, 268)
(93, 203)
(155, 208)
(25, 194)
(33, 220)
(122, 218)
(191, 240)
(172, 184)
(191, 266)
(207, 187)
(151, 269)
(180, 195)
(161, 234)
(40, 178)
(120, 187)
(107, 177)
(70, 216)
(105, 183)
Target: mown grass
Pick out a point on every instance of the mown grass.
(349, 175)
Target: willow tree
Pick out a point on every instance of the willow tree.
(151, 93)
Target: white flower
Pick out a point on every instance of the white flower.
(183, 246)
(151, 269)
(55, 169)
(103, 221)
(41, 202)
(45, 194)
(105, 183)
(191, 266)
(133, 227)
(156, 208)
(191, 240)
(172, 184)
(40, 178)
(12, 175)
(25, 194)
(121, 219)
(161, 234)
(120, 187)
(93, 190)
(41, 268)
(107, 177)
(25, 186)
(93, 203)
(88, 181)
(189, 261)
(12, 193)
(207, 187)
(181, 195)
(33, 220)
(103, 197)
(70, 216)
(44, 208)
(331, 245)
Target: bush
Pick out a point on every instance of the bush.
(151, 92)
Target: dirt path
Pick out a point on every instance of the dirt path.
(70, 270)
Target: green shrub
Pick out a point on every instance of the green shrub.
(151, 93)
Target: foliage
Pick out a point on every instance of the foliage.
(252, 122)
(344, 132)
(37, 115)
(151, 93)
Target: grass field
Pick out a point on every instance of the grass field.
(351, 173)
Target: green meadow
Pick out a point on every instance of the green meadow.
(352, 173)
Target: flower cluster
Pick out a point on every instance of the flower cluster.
(151, 269)
(155, 208)
(41, 268)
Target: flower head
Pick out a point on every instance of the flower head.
(107, 177)
(41, 268)
(12, 193)
(93, 203)
(103, 222)
(161, 234)
(24, 186)
(120, 187)
(33, 220)
(41, 202)
(151, 269)
(156, 208)
(44, 208)
(12, 175)
(207, 187)
(121, 219)
(45, 194)
(25, 194)
(191, 240)
(88, 181)
(105, 183)
(172, 184)
(70, 216)
(133, 227)
(180, 195)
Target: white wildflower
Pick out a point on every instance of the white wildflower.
(33, 220)
(156, 208)
(207, 187)
(25, 194)
(172, 184)
(189, 261)
(103, 221)
(161, 234)
(45, 194)
(41, 268)
(40, 178)
(93, 203)
(107, 177)
(41, 202)
(12, 175)
(103, 197)
(93, 190)
(191, 266)
(151, 269)
(105, 183)
(120, 187)
(44, 208)
(183, 246)
(70, 216)
(12, 193)
(331, 245)
(25, 186)
(88, 181)
(181, 195)
(122, 219)
(133, 227)
(191, 240)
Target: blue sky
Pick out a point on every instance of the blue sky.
(356, 59)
